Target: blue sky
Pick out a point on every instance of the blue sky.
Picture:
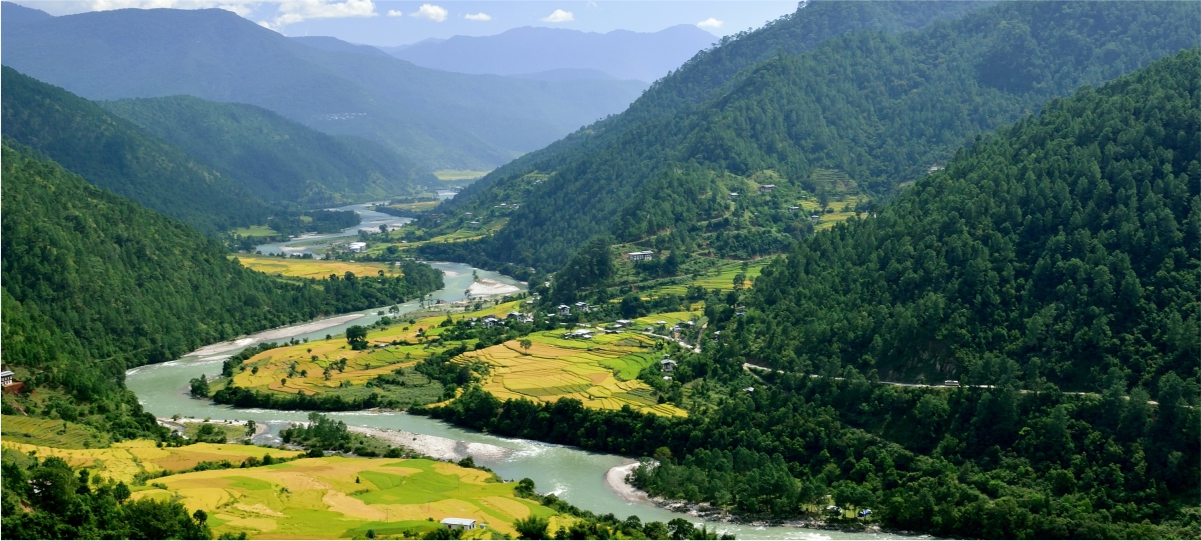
(386, 23)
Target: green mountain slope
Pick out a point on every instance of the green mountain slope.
(706, 74)
(1064, 251)
(277, 159)
(95, 284)
(438, 119)
(881, 108)
(116, 154)
(1069, 243)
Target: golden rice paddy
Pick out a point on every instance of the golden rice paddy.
(125, 460)
(599, 372)
(336, 497)
(312, 268)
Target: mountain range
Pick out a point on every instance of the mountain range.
(434, 118)
(880, 107)
(622, 54)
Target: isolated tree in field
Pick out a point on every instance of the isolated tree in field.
(356, 336)
(525, 344)
(251, 428)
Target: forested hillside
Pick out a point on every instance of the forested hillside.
(279, 160)
(1053, 268)
(95, 284)
(880, 108)
(710, 70)
(116, 154)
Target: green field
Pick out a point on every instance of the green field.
(255, 231)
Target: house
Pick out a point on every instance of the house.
(951, 383)
(667, 365)
(583, 307)
(357, 247)
(624, 322)
(583, 334)
(767, 188)
(645, 255)
(815, 218)
(452, 523)
(564, 310)
(793, 209)
(490, 321)
(733, 195)
(6, 378)
(749, 389)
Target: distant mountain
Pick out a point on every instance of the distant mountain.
(645, 56)
(881, 108)
(326, 43)
(277, 159)
(435, 118)
(15, 14)
(565, 74)
(116, 154)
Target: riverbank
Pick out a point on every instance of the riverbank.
(178, 426)
(435, 446)
(616, 478)
(484, 287)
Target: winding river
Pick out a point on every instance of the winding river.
(574, 474)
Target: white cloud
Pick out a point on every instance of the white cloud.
(710, 23)
(395, 13)
(431, 12)
(481, 16)
(294, 11)
(241, 7)
(559, 16)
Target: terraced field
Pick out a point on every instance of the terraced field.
(600, 372)
(21, 429)
(311, 268)
(336, 497)
(125, 460)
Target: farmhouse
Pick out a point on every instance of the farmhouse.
(793, 209)
(667, 365)
(815, 218)
(733, 195)
(452, 523)
(357, 247)
(645, 255)
(767, 187)
(583, 307)
(564, 310)
(6, 378)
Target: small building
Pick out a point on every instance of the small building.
(667, 365)
(6, 378)
(564, 310)
(452, 523)
(767, 187)
(357, 247)
(951, 383)
(645, 255)
(583, 307)
(490, 321)
(793, 209)
(733, 195)
(815, 218)
(749, 389)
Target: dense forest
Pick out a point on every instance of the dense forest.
(95, 284)
(115, 154)
(277, 159)
(880, 108)
(1059, 254)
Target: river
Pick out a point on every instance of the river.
(573, 474)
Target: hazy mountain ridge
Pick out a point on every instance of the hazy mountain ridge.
(645, 56)
(434, 118)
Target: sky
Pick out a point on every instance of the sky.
(390, 23)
